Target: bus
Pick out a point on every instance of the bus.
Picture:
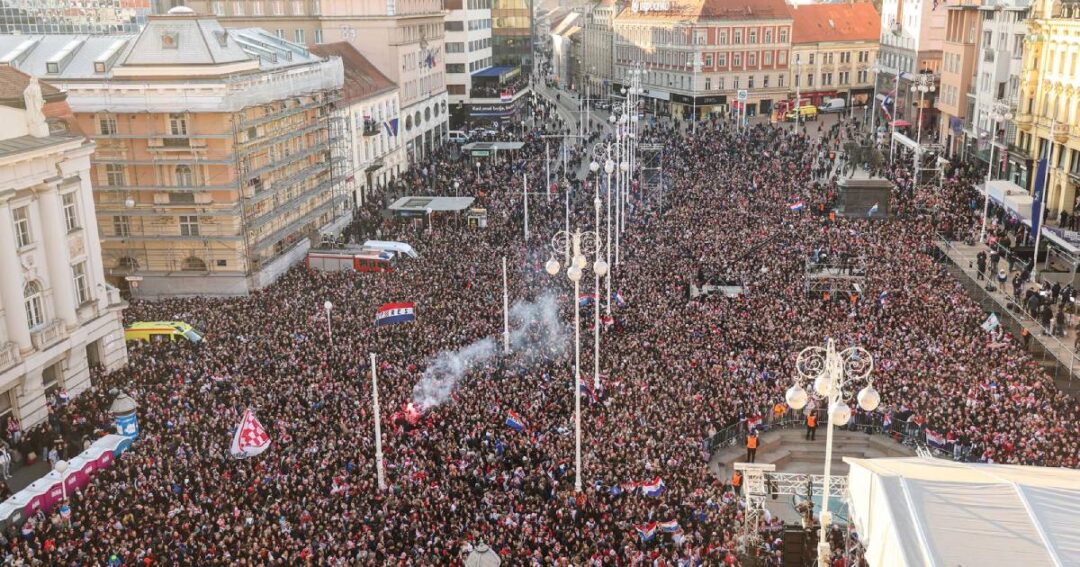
(357, 261)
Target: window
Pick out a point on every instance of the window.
(737, 35)
(121, 225)
(826, 79)
(21, 217)
(189, 225)
(455, 47)
(114, 174)
(736, 60)
(721, 60)
(708, 83)
(455, 67)
(766, 58)
(751, 36)
(106, 125)
(318, 36)
(238, 8)
(765, 82)
(750, 82)
(82, 284)
(862, 76)
(193, 264)
(298, 8)
(280, 33)
(768, 36)
(71, 213)
(278, 7)
(783, 35)
(843, 77)
(811, 59)
(299, 36)
(257, 8)
(177, 125)
(780, 81)
(735, 83)
(810, 79)
(35, 309)
(184, 176)
(723, 38)
(751, 60)
(781, 58)
(218, 8)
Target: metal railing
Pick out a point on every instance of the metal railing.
(9, 355)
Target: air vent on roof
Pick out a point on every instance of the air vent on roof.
(106, 59)
(222, 37)
(19, 54)
(56, 64)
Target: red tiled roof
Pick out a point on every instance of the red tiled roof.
(13, 83)
(815, 23)
(706, 10)
(362, 78)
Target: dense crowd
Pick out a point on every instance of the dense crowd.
(673, 370)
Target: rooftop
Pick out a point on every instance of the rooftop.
(13, 84)
(362, 78)
(814, 23)
(694, 10)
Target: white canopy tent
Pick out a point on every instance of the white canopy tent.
(932, 512)
(1011, 196)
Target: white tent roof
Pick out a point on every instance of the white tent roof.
(920, 511)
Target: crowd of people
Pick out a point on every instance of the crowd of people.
(673, 370)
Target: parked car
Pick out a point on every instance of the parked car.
(833, 105)
(457, 137)
(805, 113)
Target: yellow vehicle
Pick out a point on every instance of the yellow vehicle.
(808, 112)
(161, 331)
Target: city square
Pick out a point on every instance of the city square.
(557, 317)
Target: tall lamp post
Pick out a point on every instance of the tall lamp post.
(923, 83)
(1002, 110)
(602, 154)
(329, 330)
(833, 374)
(798, 90)
(582, 243)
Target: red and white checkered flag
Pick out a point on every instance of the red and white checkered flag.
(250, 438)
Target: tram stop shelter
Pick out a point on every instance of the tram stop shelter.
(922, 511)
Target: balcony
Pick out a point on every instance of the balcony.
(988, 55)
(1060, 132)
(9, 355)
(1023, 119)
(175, 144)
(46, 336)
(371, 128)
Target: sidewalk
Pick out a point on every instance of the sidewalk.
(1067, 367)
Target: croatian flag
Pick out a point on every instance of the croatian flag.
(607, 321)
(882, 297)
(514, 421)
(752, 422)
(797, 206)
(935, 439)
(394, 313)
(250, 439)
(618, 298)
(887, 421)
(670, 526)
(646, 531)
(873, 210)
(654, 488)
(588, 392)
(584, 300)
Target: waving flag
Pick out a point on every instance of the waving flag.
(250, 439)
(391, 127)
(394, 313)
(646, 531)
(935, 439)
(585, 300)
(670, 526)
(882, 297)
(752, 422)
(411, 413)
(618, 298)
(991, 323)
(886, 423)
(607, 321)
(797, 206)
(654, 488)
(588, 392)
(514, 421)
(873, 210)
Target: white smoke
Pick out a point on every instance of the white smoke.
(537, 333)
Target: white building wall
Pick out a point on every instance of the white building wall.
(468, 49)
(68, 332)
(1006, 23)
(371, 150)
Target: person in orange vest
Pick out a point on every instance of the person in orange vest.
(751, 446)
(811, 426)
(736, 482)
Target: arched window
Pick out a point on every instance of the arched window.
(427, 114)
(184, 176)
(35, 309)
(408, 123)
(127, 263)
(193, 264)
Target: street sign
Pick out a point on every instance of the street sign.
(742, 95)
(480, 153)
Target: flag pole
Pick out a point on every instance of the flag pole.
(506, 310)
(378, 425)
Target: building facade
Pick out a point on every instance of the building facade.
(694, 57)
(512, 33)
(468, 51)
(599, 39)
(959, 60)
(403, 39)
(1048, 116)
(833, 47)
(68, 17)
(213, 168)
(58, 316)
(370, 107)
(998, 74)
(912, 43)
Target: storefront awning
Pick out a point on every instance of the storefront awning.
(1011, 196)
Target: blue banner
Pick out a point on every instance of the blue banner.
(1037, 200)
(127, 425)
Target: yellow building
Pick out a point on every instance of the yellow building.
(832, 48)
(213, 168)
(1048, 115)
